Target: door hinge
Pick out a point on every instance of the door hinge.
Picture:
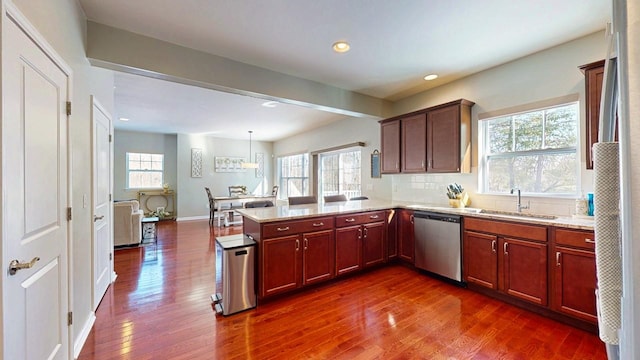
(110, 256)
(69, 214)
(110, 138)
(69, 318)
(68, 108)
(109, 197)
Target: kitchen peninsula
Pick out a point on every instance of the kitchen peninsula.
(302, 245)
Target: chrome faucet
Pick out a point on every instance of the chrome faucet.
(519, 206)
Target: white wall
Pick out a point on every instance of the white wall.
(63, 25)
(192, 198)
(141, 142)
(339, 133)
(544, 75)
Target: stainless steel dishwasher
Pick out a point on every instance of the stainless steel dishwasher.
(438, 244)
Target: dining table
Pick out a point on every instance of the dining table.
(227, 204)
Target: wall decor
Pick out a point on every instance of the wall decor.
(260, 168)
(375, 164)
(196, 163)
(229, 163)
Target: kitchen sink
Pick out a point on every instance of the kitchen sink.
(517, 214)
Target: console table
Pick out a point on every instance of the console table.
(150, 200)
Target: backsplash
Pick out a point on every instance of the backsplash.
(432, 188)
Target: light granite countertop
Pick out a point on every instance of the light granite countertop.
(286, 212)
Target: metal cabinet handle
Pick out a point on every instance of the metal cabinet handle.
(297, 244)
(16, 265)
(429, 164)
(350, 220)
(318, 224)
(505, 248)
(557, 258)
(589, 241)
(306, 243)
(96, 218)
(283, 229)
(396, 165)
(493, 246)
(366, 231)
(411, 218)
(359, 233)
(373, 216)
(422, 164)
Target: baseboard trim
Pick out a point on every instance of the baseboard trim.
(83, 335)
(192, 218)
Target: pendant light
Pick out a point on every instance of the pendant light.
(249, 165)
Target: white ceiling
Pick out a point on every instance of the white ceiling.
(393, 45)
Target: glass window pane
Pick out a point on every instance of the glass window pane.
(561, 127)
(528, 131)
(542, 174)
(500, 135)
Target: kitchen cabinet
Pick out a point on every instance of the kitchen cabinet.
(432, 140)
(414, 143)
(360, 241)
(294, 254)
(392, 234)
(574, 274)
(449, 138)
(508, 257)
(390, 142)
(593, 76)
(406, 242)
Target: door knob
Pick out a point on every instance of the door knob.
(96, 218)
(16, 265)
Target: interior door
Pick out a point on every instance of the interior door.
(35, 194)
(102, 223)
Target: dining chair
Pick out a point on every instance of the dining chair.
(274, 190)
(235, 191)
(212, 207)
(258, 204)
(359, 198)
(335, 198)
(299, 200)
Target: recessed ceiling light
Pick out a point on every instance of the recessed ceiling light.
(270, 104)
(124, 119)
(341, 46)
(431, 77)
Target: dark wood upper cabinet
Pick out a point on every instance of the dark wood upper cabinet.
(414, 143)
(593, 77)
(390, 141)
(431, 140)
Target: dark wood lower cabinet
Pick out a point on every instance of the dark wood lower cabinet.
(481, 259)
(317, 256)
(575, 283)
(406, 244)
(525, 269)
(392, 234)
(348, 249)
(373, 252)
(280, 265)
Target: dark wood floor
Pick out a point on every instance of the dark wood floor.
(159, 308)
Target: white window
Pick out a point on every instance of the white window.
(293, 175)
(144, 171)
(535, 151)
(340, 173)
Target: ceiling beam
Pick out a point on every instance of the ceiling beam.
(120, 50)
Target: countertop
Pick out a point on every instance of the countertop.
(286, 212)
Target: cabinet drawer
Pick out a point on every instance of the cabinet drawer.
(360, 218)
(581, 239)
(284, 228)
(525, 231)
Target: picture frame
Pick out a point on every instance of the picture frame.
(375, 164)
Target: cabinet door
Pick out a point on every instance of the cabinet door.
(481, 259)
(405, 236)
(392, 234)
(575, 283)
(390, 141)
(443, 142)
(280, 265)
(318, 256)
(524, 270)
(593, 77)
(414, 143)
(348, 249)
(373, 244)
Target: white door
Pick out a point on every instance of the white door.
(102, 225)
(35, 195)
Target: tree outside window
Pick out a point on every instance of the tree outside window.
(144, 171)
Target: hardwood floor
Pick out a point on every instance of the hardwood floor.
(159, 308)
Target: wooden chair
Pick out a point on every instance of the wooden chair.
(335, 198)
(234, 191)
(298, 200)
(212, 207)
(274, 190)
(237, 190)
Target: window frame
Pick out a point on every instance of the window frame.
(340, 172)
(128, 170)
(282, 188)
(484, 155)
